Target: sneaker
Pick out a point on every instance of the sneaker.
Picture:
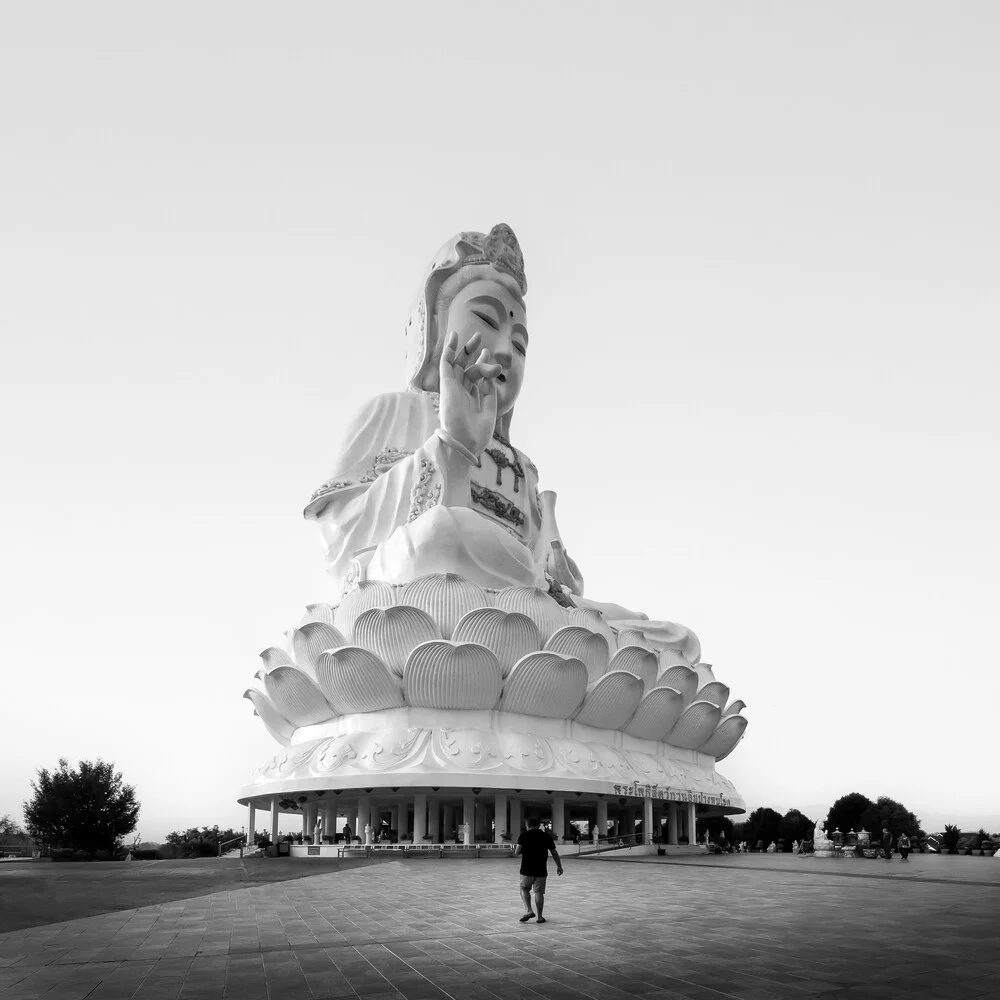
(528, 917)
(541, 920)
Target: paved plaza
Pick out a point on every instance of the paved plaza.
(752, 927)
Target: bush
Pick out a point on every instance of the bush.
(139, 855)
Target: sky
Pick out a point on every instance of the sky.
(761, 243)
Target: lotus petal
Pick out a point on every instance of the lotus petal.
(610, 702)
(317, 613)
(716, 692)
(509, 635)
(442, 674)
(636, 660)
(296, 696)
(695, 726)
(672, 658)
(537, 605)
(588, 647)
(657, 714)
(705, 675)
(393, 633)
(356, 680)
(592, 619)
(633, 637)
(723, 741)
(313, 638)
(681, 678)
(734, 708)
(446, 597)
(274, 657)
(278, 726)
(545, 684)
(367, 594)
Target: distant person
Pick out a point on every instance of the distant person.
(348, 833)
(533, 847)
(887, 843)
(903, 845)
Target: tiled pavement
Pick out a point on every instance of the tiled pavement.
(753, 928)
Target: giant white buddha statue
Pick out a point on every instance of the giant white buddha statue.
(458, 647)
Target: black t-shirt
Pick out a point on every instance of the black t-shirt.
(535, 846)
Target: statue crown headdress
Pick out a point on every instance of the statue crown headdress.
(501, 249)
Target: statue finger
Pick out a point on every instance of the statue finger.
(446, 367)
(468, 352)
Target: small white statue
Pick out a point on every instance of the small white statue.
(795, 847)
(772, 848)
(318, 831)
(595, 834)
(369, 834)
(466, 833)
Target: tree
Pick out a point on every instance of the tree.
(762, 824)
(845, 814)
(89, 809)
(795, 825)
(200, 843)
(889, 814)
(9, 829)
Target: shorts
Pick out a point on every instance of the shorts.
(534, 883)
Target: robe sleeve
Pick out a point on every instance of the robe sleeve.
(393, 466)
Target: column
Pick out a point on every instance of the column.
(647, 820)
(274, 826)
(499, 816)
(515, 819)
(352, 819)
(602, 817)
(403, 819)
(468, 816)
(558, 818)
(364, 817)
(251, 822)
(434, 820)
(630, 821)
(394, 820)
(330, 821)
(482, 826)
(448, 818)
(419, 818)
(692, 823)
(672, 823)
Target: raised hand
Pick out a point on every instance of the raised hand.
(468, 393)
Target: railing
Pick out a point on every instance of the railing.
(224, 846)
(611, 844)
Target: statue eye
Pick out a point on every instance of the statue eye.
(520, 347)
(491, 323)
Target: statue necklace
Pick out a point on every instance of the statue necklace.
(501, 461)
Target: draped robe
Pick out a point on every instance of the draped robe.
(402, 503)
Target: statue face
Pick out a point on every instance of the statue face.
(494, 308)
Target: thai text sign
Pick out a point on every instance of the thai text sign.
(637, 791)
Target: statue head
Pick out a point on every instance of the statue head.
(474, 283)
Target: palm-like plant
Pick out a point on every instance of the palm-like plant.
(950, 838)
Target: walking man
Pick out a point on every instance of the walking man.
(533, 847)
